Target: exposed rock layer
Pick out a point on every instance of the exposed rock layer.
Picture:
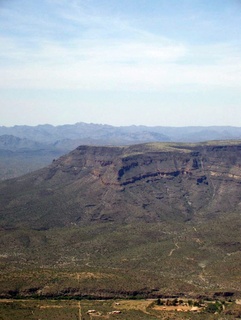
(153, 182)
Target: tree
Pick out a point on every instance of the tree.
(214, 307)
(159, 302)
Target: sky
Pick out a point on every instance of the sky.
(120, 62)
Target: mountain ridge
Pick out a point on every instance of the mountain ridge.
(154, 219)
(54, 141)
(155, 164)
(49, 134)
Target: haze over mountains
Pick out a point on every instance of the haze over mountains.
(107, 134)
(25, 148)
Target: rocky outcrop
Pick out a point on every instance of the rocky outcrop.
(151, 182)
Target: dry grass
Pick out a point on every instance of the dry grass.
(141, 305)
(129, 309)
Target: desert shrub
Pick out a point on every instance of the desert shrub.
(190, 302)
(196, 304)
(214, 307)
(159, 302)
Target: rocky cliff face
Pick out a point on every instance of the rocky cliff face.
(152, 182)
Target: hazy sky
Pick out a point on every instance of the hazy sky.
(120, 62)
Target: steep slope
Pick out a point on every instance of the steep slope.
(152, 182)
(166, 216)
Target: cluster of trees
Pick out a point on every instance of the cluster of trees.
(211, 307)
(177, 302)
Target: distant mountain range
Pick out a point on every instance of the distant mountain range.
(26, 148)
(110, 135)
